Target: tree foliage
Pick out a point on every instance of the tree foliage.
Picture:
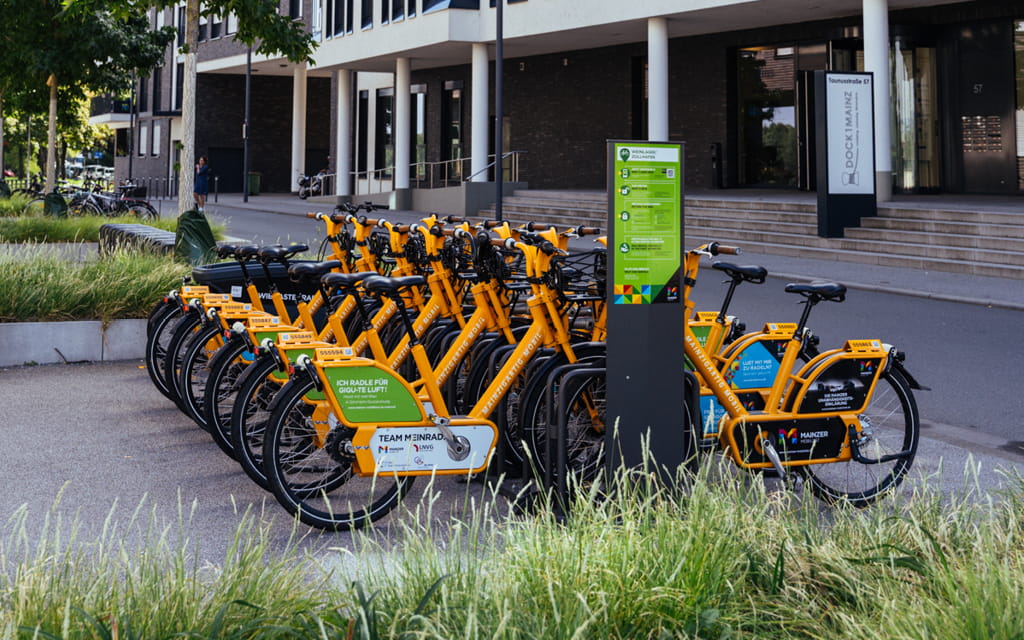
(87, 49)
(260, 22)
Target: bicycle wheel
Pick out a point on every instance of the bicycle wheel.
(160, 329)
(250, 413)
(142, 211)
(221, 390)
(35, 207)
(195, 371)
(584, 413)
(313, 477)
(175, 351)
(890, 425)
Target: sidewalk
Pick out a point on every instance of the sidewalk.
(938, 285)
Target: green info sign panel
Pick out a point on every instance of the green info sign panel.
(647, 218)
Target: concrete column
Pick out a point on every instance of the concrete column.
(876, 60)
(401, 123)
(298, 125)
(478, 121)
(344, 140)
(657, 79)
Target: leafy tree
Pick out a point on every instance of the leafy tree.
(260, 25)
(71, 50)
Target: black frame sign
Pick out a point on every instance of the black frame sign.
(845, 127)
(646, 316)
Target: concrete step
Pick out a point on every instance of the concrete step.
(972, 242)
(952, 215)
(771, 215)
(945, 227)
(836, 249)
(940, 240)
(793, 224)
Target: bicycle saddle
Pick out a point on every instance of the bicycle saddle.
(750, 272)
(831, 291)
(311, 270)
(387, 285)
(246, 252)
(345, 280)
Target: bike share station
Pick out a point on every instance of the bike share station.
(646, 382)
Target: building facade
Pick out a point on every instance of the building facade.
(402, 91)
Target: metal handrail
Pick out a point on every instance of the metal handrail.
(431, 175)
(515, 171)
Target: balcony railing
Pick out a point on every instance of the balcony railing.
(434, 175)
(105, 105)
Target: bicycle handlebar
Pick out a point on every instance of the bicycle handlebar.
(720, 249)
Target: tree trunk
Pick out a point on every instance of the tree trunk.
(2, 165)
(186, 176)
(51, 136)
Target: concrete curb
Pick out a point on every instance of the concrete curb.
(75, 341)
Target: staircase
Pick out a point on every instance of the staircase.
(958, 240)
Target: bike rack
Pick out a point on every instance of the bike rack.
(562, 489)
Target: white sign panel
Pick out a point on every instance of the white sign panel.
(851, 145)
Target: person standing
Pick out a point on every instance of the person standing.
(202, 183)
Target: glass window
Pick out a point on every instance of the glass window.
(367, 14)
(158, 88)
(143, 97)
(156, 138)
(384, 148)
(362, 131)
(143, 139)
(179, 82)
(1018, 51)
(767, 116)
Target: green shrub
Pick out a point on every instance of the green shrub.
(47, 287)
(79, 229)
(13, 206)
(723, 557)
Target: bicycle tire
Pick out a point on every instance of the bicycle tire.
(159, 332)
(143, 211)
(531, 429)
(311, 484)
(249, 415)
(175, 350)
(219, 395)
(194, 371)
(893, 424)
(35, 207)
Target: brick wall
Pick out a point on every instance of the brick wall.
(219, 123)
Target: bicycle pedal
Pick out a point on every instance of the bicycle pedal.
(773, 457)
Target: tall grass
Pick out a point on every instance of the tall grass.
(724, 558)
(141, 579)
(77, 229)
(13, 206)
(46, 287)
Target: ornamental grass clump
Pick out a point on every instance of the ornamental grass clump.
(46, 287)
(74, 229)
(721, 557)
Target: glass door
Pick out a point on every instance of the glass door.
(915, 122)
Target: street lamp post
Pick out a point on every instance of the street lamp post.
(499, 63)
(245, 126)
